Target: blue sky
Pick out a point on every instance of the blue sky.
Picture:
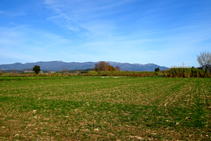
(164, 32)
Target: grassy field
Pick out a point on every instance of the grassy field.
(105, 108)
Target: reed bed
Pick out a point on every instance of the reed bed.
(187, 72)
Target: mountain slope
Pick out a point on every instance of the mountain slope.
(58, 65)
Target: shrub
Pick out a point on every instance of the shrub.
(92, 73)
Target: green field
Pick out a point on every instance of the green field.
(105, 108)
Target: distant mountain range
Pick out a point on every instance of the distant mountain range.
(59, 65)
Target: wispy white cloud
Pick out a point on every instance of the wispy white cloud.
(88, 16)
(12, 14)
(21, 41)
(163, 32)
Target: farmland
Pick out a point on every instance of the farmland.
(105, 108)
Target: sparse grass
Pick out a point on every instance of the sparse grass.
(105, 108)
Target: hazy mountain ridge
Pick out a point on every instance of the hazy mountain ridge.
(58, 65)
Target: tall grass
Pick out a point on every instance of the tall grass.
(186, 72)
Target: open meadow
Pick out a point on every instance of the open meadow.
(105, 108)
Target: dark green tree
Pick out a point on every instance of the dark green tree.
(157, 69)
(36, 69)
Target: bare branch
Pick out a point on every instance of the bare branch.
(204, 59)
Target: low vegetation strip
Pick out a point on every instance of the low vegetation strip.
(105, 108)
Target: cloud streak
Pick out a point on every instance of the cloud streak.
(89, 16)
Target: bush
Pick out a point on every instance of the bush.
(92, 73)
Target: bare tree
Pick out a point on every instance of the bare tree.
(110, 68)
(204, 59)
(117, 68)
(101, 66)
